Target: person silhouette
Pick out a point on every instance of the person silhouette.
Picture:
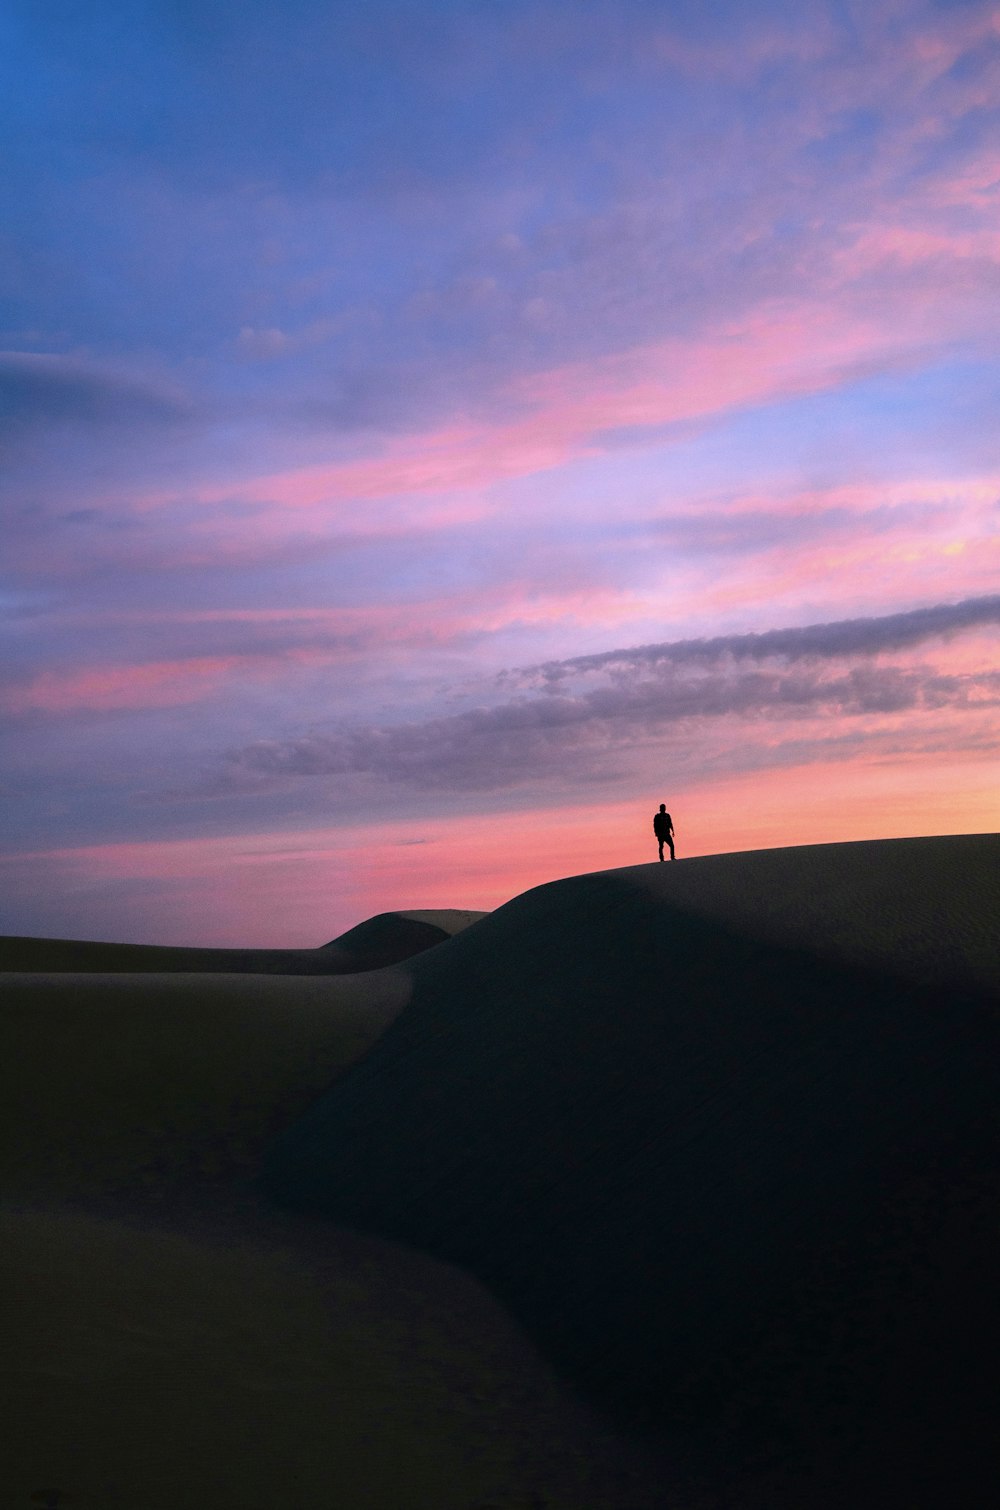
(663, 828)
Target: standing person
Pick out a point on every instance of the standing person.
(663, 828)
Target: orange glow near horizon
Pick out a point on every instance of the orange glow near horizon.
(299, 889)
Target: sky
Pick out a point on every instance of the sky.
(434, 434)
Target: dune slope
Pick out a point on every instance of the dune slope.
(723, 1135)
(171, 1341)
(155, 1089)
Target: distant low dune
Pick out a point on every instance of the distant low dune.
(382, 940)
(668, 1188)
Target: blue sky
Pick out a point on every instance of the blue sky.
(351, 358)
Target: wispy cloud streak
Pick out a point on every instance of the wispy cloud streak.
(867, 636)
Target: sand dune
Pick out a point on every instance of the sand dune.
(382, 940)
(171, 1341)
(669, 1186)
(723, 1135)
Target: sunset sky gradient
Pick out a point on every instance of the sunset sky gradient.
(435, 433)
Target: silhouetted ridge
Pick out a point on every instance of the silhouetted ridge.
(388, 938)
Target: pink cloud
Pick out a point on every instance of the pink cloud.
(915, 246)
(160, 684)
(891, 567)
(315, 638)
(447, 460)
(781, 349)
(151, 684)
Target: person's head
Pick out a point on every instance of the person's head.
(663, 807)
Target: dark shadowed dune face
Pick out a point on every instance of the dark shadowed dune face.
(385, 940)
(723, 1149)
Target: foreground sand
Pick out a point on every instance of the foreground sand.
(708, 1146)
(175, 1341)
(239, 1363)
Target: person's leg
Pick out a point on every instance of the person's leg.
(672, 855)
(660, 843)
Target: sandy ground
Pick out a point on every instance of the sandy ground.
(241, 1363)
(672, 1186)
(173, 1341)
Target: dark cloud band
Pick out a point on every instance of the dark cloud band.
(844, 637)
(645, 694)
